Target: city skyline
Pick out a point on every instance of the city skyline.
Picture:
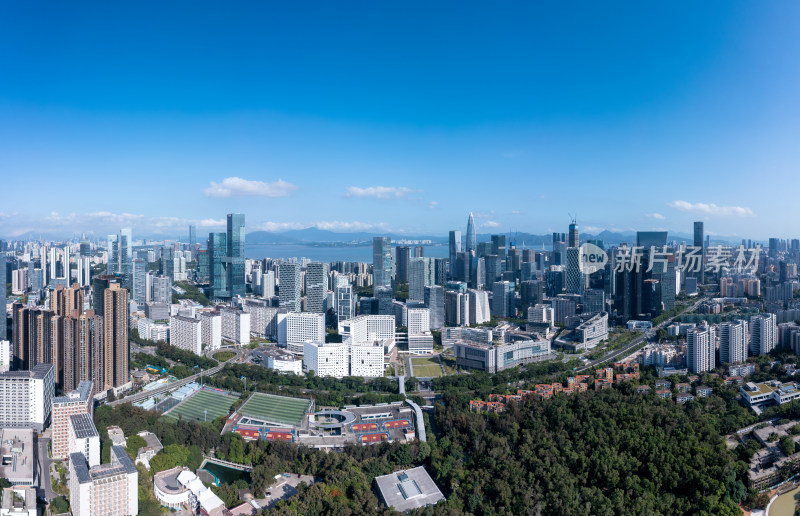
(398, 136)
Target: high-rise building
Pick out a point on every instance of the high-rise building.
(382, 262)
(503, 299)
(192, 235)
(345, 303)
(573, 241)
(479, 311)
(763, 334)
(115, 331)
(217, 272)
(3, 323)
(81, 350)
(235, 326)
(186, 333)
(210, 329)
(139, 281)
(32, 336)
(234, 260)
(434, 301)
(574, 275)
(267, 284)
(733, 337)
(112, 255)
(26, 398)
(295, 328)
(289, 286)
(454, 248)
(403, 258)
(472, 240)
(421, 275)
(700, 348)
(5, 355)
(125, 256)
(316, 287)
(65, 300)
(698, 243)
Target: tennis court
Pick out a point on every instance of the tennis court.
(270, 408)
(203, 406)
(425, 367)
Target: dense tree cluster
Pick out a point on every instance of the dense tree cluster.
(594, 453)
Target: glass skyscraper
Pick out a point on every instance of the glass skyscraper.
(235, 254)
(217, 247)
(471, 238)
(382, 262)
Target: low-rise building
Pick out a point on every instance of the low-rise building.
(769, 392)
(497, 357)
(741, 370)
(408, 489)
(17, 456)
(703, 391)
(169, 492)
(19, 501)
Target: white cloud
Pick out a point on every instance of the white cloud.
(238, 187)
(379, 192)
(328, 225)
(656, 216)
(433, 205)
(490, 224)
(712, 209)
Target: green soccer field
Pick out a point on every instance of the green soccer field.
(276, 409)
(195, 407)
(426, 367)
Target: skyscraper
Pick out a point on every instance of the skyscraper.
(112, 255)
(421, 275)
(733, 338)
(574, 241)
(192, 236)
(289, 286)
(434, 301)
(472, 241)
(3, 328)
(763, 334)
(455, 248)
(698, 243)
(235, 254)
(217, 247)
(503, 299)
(115, 330)
(382, 262)
(574, 275)
(316, 286)
(125, 256)
(402, 258)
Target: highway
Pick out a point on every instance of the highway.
(143, 395)
(638, 340)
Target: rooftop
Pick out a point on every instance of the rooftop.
(26, 501)
(39, 372)
(409, 489)
(80, 394)
(17, 455)
(83, 426)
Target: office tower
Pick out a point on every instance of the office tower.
(268, 284)
(85, 248)
(403, 257)
(295, 328)
(382, 262)
(234, 261)
(76, 401)
(456, 308)
(289, 286)
(700, 349)
(167, 261)
(503, 299)
(139, 281)
(385, 298)
(421, 275)
(499, 246)
(125, 256)
(733, 338)
(217, 274)
(593, 301)
(186, 333)
(698, 243)
(573, 241)
(108, 489)
(455, 248)
(26, 398)
(484, 248)
(84, 277)
(3, 322)
(574, 275)
(203, 266)
(492, 267)
(316, 287)
(472, 240)
(531, 293)
(562, 308)
(419, 321)
(763, 334)
(192, 235)
(345, 303)
(112, 255)
(479, 311)
(115, 331)
(419, 251)
(434, 301)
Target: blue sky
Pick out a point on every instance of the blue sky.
(400, 116)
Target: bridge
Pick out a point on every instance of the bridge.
(213, 460)
(143, 395)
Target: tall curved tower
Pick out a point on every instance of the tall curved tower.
(471, 239)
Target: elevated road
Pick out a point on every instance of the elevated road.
(141, 396)
(617, 353)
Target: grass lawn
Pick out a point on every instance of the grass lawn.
(195, 406)
(425, 367)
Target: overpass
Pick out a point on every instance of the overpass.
(143, 395)
(213, 460)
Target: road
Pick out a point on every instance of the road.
(140, 396)
(638, 340)
(45, 487)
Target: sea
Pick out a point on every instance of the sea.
(328, 253)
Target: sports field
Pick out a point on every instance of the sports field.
(425, 367)
(276, 409)
(193, 408)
